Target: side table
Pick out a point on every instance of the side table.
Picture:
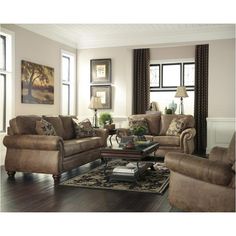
(112, 132)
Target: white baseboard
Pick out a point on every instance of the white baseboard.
(219, 132)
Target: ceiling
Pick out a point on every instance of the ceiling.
(83, 36)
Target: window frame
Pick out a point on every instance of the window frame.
(4, 102)
(3, 73)
(162, 74)
(70, 82)
(4, 52)
(159, 76)
(172, 88)
(188, 63)
(67, 82)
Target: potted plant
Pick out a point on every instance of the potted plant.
(139, 131)
(105, 119)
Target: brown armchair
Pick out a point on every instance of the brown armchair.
(199, 184)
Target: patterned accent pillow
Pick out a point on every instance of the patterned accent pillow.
(83, 129)
(43, 127)
(176, 126)
(138, 122)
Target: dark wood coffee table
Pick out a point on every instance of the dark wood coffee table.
(138, 154)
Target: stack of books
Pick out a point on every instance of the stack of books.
(123, 170)
(129, 170)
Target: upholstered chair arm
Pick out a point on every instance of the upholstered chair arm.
(187, 140)
(217, 153)
(214, 172)
(103, 133)
(36, 142)
(121, 132)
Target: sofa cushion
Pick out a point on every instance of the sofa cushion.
(133, 123)
(83, 129)
(167, 140)
(153, 121)
(176, 126)
(74, 146)
(68, 126)
(24, 124)
(57, 124)
(43, 127)
(166, 120)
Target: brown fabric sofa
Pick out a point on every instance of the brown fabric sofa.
(199, 184)
(158, 125)
(29, 152)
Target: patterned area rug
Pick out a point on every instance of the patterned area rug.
(152, 181)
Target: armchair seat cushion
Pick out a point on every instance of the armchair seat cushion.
(75, 146)
(167, 140)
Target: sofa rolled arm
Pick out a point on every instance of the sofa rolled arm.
(214, 172)
(103, 133)
(123, 132)
(187, 140)
(36, 142)
(217, 153)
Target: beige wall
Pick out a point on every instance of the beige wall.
(121, 80)
(35, 48)
(169, 53)
(222, 78)
(221, 75)
(38, 49)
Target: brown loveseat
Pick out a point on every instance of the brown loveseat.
(158, 125)
(199, 184)
(29, 152)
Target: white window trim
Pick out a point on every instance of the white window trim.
(10, 76)
(72, 83)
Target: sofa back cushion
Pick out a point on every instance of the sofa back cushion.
(24, 124)
(68, 127)
(153, 121)
(166, 120)
(56, 123)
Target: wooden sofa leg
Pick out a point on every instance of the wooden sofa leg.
(11, 174)
(56, 178)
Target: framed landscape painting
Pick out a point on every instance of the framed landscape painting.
(100, 71)
(104, 92)
(37, 83)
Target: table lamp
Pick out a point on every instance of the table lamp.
(95, 103)
(181, 93)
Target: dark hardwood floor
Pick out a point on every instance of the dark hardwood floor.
(37, 193)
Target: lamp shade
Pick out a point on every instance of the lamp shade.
(95, 103)
(181, 92)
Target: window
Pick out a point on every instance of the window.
(164, 82)
(171, 74)
(2, 83)
(68, 84)
(155, 76)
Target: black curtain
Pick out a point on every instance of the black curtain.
(141, 80)
(201, 97)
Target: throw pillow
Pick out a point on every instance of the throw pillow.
(43, 127)
(134, 123)
(176, 126)
(83, 129)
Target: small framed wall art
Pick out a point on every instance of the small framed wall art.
(104, 92)
(100, 71)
